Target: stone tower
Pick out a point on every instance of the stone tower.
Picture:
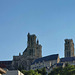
(32, 52)
(33, 47)
(69, 48)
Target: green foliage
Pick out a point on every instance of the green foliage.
(41, 71)
(66, 65)
(24, 72)
(34, 72)
(67, 70)
(30, 72)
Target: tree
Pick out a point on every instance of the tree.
(30, 72)
(44, 71)
(41, 71)
(67, 70)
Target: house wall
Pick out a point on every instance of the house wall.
(70, 62)
(19, 73)
(15, 72)
(43, 64)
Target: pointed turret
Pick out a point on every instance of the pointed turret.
(37, 42)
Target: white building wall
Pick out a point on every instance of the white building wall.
(43, 64)
(14, 72)
(19, 73)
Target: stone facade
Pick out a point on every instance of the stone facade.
(46, 62)
(32, 52)
(70, 60)
(69, 48)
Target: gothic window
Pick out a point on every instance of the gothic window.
(31, 41)
(66, 48)
(37, 48)
(69, 53)
(68, 42)
(31, 52)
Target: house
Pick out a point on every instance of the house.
(70, 60)
(46, 62)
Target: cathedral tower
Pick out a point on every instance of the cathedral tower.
(31, 40)
(34, 49)
(69, 48)
(32, 52)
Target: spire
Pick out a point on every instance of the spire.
(28, 33)
(19, 54)
(37, 41)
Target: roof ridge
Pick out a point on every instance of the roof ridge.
(46, 58)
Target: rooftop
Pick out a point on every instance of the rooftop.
(67, 59)
(46, 58)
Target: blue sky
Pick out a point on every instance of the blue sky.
(51, 20)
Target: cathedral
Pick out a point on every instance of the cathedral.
(32, 52)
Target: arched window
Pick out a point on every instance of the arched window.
(31, 52)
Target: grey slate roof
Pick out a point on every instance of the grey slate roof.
(46, 58)
(59, 64)
(5, 64)
(66, 59)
